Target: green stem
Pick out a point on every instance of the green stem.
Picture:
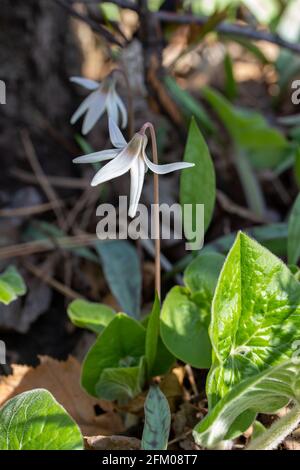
(271, 439)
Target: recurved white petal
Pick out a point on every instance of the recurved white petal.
(168, 168)
(116, 136)
(112, 108)
(97, 156)
(122, 109)
(137, 173)
(85, 82)
(82, 108)
(117, 167)
(95, 111)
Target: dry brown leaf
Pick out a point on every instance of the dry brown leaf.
(171, 387)
(62, 379)
(112, 443)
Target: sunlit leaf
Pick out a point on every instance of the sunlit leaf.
(34, 420)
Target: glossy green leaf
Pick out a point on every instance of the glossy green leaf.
(198, 184)
(122, 383)
(293, 243)
(184, 326)
(203, 272)
(121, 345)
(157, 421)
(265, 145)
(122, 271)
(255, 316)
(186, 311)
(90, 315)
(265, 392)
(12, 285)
(34, 420)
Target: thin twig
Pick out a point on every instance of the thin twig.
(41, 246)
(120, 3)
(61, 288)
(229, 29)
(232, 208)
(56, 181)
(93, 24)
(41, 177)
(29, 211)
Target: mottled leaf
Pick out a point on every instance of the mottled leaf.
(157, 421)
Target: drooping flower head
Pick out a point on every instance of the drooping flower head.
(104, 97)
(125, 157)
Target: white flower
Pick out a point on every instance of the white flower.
(104, 97)
(127, 157)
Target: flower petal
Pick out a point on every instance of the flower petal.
(122, 109)
(85, 82)
(82, 108)
(116, 136)
(117, 167)
(95, 111)
(168, 168)
(137, 172)
(97, 156)
(112, 109)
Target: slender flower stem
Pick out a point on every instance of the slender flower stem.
(149, 126)
(271, 439)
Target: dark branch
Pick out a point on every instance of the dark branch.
(93, 24)
(229, 29)
(120, 3)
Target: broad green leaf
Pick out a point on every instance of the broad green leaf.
(157, 421)
(12, 285)
(122, 383)
(186, 311)
(265, 145)
(198, 185)
(121, 345)
(255, 316)
(90, 315)
(293, 243)
(189, 104)
(202, 273)
(265, 392)
(184, 326)
(122, 271)
(34, 420)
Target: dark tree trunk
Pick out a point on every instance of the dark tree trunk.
(38, 53)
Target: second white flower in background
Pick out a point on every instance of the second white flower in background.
(104, 97)
(125, 157)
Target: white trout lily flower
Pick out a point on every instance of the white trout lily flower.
(103, 97)
(125, 157)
